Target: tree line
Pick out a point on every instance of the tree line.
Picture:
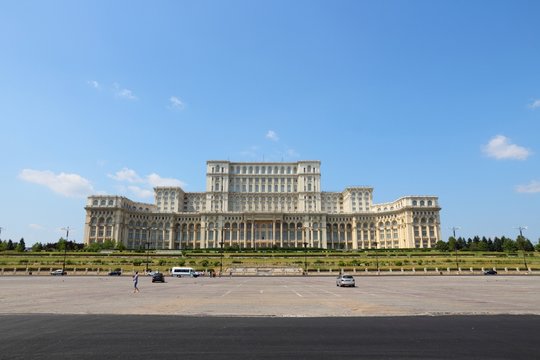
(471, 244)
(487, 244)
(61, 245)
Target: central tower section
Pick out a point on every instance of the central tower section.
(263, 186)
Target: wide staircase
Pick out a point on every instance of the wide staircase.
(264, 271)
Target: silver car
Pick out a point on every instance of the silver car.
(58, 272)
(345, 280)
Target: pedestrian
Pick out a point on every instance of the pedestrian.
(135, 282)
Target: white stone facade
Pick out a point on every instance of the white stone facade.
(263, 205)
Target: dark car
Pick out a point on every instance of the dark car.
(158, 277)
(115, 273)
(490, 272)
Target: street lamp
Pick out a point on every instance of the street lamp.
(376, 257)
(221, 262)
(65, 249)
(456, 246)
(147, 255)
(521, 228)
(305, 257)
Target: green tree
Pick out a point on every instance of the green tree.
(522, 243)
(497, 244)
(21, 246)
(61, 245)
(93, 247)
(508, 245)
(37, 247)
(452, 243)
(441, 246)
(462, 244)
(108, 244)
(120, 246)
(3, 245)
(10, 245)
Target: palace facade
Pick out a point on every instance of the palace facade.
(263, 205)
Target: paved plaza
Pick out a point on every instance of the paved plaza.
(272, 296)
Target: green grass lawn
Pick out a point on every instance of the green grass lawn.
(316, 260)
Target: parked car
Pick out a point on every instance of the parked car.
(490, 272)
(345, 280)
(115, 273)
(158, 277)
(58, 272)
(183, 272)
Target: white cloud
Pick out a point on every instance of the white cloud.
(500, 148)
(272, 135)
(535, 104)
(123, 93)
(176, 103)
(532, 187)
(36, 226)
(140, 192)
(126, 174)
(292, 153)
(70, 185)
(156, 180)
(93, 83)
(146, 183)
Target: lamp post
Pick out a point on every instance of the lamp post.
(456, 246)
(221, 262)
(305, 257)
(147, 255)
(65, 248)
(376, 256)
(521, 228)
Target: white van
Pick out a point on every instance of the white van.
(183, 271)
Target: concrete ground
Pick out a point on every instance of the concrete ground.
(272, 296)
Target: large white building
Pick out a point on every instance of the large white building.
(262, 205)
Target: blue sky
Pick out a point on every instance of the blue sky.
(410, 97)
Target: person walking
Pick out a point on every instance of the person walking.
(135, 282)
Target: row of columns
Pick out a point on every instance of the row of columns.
(249, 235)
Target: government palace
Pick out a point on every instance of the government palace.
(264, 205)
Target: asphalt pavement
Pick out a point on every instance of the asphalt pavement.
(81, 317)
(146, 337)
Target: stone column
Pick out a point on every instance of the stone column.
(281, 233)
(354, 235)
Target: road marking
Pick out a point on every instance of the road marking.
(227, 293)
(331, 293)
(261, 291)
(296, 293)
